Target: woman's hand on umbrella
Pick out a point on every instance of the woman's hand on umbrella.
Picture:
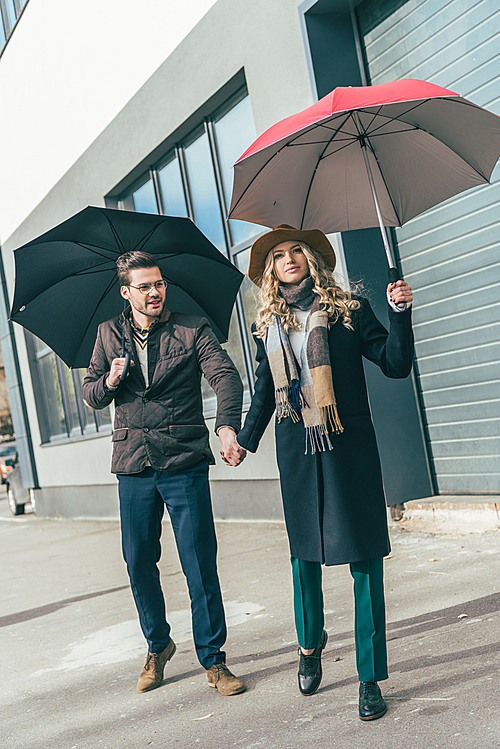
(117, 367)
(400, 292)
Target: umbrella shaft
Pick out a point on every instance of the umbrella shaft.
(385, 240)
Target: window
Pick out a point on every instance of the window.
(234, 132)
(172, 190)
(10, 10)
(62, 412)
(249, 291)
(195, 180)
(203, 188)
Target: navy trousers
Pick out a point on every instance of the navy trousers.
(186, 494)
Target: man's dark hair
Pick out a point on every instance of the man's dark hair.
(132, 261)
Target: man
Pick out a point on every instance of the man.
(161, 455)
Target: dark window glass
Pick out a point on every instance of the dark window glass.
(70, 404)
(52, 396)
(172, 193)
(65, 412)
(233, 348)
(204, 191)
(249, 291)
(235, 132)
(87, 415)
(103, 417)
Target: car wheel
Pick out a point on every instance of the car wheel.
(14, 508)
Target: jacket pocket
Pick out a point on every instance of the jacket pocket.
(119, 434)
(187, 431)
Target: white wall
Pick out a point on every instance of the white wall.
(68, 69)
(80, 159)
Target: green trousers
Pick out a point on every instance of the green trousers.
(369, 612)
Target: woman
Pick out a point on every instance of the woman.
(311, 337)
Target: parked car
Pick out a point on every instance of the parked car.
(8, 454)
(17, 495)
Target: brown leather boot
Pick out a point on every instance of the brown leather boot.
(220, 677)
(152, 673)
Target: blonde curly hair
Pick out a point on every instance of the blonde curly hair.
(335, 301)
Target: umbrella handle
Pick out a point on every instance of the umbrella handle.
(127, 366)
(394, 275)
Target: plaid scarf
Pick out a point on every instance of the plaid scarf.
(304, 392)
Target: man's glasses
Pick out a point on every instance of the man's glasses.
(145, 288)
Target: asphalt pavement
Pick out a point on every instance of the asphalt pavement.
(71, 649)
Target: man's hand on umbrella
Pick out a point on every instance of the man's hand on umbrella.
(232, 454)
(117, 366)
(400, 292)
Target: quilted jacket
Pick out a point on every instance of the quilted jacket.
(162, 425)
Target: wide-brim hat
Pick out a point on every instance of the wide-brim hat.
(284, 233)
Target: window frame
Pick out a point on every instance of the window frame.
(82, 430)
(176, 149)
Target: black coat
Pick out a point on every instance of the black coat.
(334, 502)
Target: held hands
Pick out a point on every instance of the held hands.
(232, 454)
(117, 366)
(400, 292)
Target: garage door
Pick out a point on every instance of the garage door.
(451, 254)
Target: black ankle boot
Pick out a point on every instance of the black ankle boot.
(310, 671)
(371, 703)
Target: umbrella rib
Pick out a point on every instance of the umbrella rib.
(147, 236)
(348, 141)
(114, 232)
(355, 140)
(108, 287)
(140, 244)
(86, 271)
(312, 127)
(92, 248)
(423, 130)
(316, 142)
(457, 101)
(379, 169)
(314, 174)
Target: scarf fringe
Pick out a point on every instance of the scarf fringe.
(289, 401)
(317, 439)
(331, 416)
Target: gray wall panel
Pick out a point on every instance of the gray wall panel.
(451, 254)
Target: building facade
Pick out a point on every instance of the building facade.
(148, 114)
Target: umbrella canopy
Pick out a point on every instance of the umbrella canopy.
(408, 145)
(67, 283)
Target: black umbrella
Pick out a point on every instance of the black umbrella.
(67, 284)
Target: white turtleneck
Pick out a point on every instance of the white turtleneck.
(297, 336)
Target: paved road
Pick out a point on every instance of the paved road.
(71, 650)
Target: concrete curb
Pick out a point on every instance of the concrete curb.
(452, 514)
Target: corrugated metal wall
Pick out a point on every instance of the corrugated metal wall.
(451, 254)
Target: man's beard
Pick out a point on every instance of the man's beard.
(145, 310)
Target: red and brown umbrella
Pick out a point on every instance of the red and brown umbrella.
(366, 156)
